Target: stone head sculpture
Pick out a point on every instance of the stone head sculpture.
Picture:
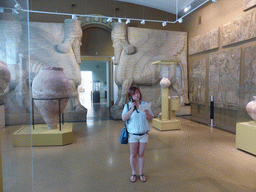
(73, 36)
(120, 41)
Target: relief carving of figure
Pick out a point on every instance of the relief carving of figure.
(134, 54)
(51, 45)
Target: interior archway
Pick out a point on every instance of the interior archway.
(96, 52)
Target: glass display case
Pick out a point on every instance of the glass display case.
(170, 96)
(16, 163)
(246, 117)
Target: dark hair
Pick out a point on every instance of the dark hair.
(132, 90)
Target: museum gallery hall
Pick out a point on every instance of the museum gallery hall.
(65, 72)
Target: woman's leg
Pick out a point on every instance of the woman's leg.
(141, 151)
(133, 156)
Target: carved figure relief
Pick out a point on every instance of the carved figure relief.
(204, 42)
(240, 29)
(250, 67)
(135, 50)
(249, 74)
(248, 4)
(5, 78)
(52, 45)
(197, 81)
(224, 71)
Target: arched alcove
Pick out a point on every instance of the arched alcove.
(96, 39)
(97, 50)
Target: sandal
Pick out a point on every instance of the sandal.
(141, 178)
(133, 178)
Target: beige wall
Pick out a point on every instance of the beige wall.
(214, 15)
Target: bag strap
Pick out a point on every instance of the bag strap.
(126, 122)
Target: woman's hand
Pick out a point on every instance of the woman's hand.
(133, 104)
(148, 115)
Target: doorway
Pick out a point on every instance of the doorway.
(85, 89)
(96, 74)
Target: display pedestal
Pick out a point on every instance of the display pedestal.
(246, 136)
(166, 125)
(41, 136)
(2, 116)
(168, 120)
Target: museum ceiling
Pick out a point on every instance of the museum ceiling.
(182, 7)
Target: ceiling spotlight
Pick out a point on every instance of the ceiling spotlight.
(119, 20)
(109, 19)
(74, 17)
(14, 11)
(17, 6)
(187, 8)
(142, 22)
(128, 21)
(214, 1)
(164, 24)
(180, 20)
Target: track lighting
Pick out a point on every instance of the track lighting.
(181, 13)
(17, 5)
(164, 24)
(14, 11)
(109, 19)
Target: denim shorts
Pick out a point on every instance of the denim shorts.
(136, 138)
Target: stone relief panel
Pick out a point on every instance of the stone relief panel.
(249, 74)
(248, 4)
(204, 42)
(197, 81)
(51, 45)
(135, 50)
(224, 73)
(240, 29)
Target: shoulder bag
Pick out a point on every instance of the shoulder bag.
(124, 134)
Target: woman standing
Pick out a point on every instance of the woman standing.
(138, 128)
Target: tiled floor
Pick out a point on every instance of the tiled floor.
(194, 158)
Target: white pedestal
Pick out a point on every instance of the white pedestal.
(2, 116)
